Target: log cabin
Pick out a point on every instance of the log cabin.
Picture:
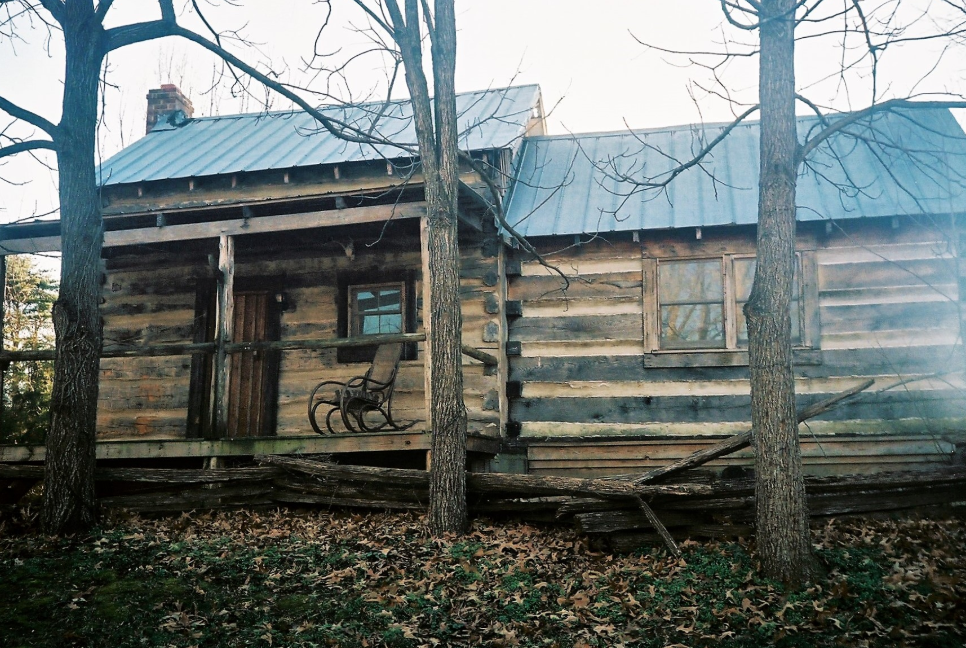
(643, 358)
(249, 257)
(268, 232)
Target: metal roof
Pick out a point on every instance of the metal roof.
(894, 163)
(207, 146)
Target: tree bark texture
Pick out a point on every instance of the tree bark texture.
(781, 515)
(447, 486)
(69, 504)
(437, 137)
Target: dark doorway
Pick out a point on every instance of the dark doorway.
(253, 376)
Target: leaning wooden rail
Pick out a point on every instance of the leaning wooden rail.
(236, 347)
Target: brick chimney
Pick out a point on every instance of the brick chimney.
(164, 101)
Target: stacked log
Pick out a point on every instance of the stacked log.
(607, 510)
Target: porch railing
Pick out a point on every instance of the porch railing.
(221, 350)
(158, 350)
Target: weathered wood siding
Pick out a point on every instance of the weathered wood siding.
(881, 302)
(147, 299)
(151, 299)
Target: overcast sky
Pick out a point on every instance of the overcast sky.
(594, 73)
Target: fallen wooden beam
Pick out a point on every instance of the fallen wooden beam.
(153, 475)
(658, 526)
(503, 484)
(339, 472)
(541, 486)
(743, 440)
(220, 496)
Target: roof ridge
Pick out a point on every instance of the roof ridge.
(653, 130)
(335, 106)
(643, 131)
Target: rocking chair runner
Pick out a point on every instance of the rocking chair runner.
(361, 397)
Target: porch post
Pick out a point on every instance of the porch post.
(427, 304)
(226, 316)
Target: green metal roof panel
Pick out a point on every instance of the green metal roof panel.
(209, 146)
(894, 163)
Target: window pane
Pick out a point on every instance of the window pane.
(743, 324)
(690, 282)
(744, 271)
(379, 300)
(377, 309)
(690, 326)
(375, 324)
(744, 276)
(692, 304)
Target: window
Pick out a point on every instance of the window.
(692, 304)
(377, 309)
(744, 276)
(701, 302)
(376, 303)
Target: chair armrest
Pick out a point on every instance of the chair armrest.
(368, 384)
(320, 388)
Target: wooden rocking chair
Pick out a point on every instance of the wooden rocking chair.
(361, 397)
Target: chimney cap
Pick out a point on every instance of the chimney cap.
(170, 121)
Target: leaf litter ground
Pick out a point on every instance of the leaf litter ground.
(313, 578)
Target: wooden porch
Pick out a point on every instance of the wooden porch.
(418, 438)
(143, 302)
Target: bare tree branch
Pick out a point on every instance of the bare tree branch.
(118, 37)
(56, 9)
(376, 18)
(668, 176)
(102, 8)
(20, 147)
(31, 118)
(891, 105)
(497, 210)
(167, 10)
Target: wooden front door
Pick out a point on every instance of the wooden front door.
(253, 376)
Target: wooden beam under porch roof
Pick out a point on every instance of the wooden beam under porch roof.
(10, 244)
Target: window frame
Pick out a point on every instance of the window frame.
(809, 334)
(732, 280)
(354, 315)
(346, 281)
(723, 302)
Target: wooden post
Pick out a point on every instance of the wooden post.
(427, 304)
(226, 315)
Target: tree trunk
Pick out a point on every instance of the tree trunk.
(437, 138)
(447, 487)
(781, 515)
(69, 504)
(447, 494)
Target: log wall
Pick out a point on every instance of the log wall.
(150, 298)
(147, 299)
(596, 397)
